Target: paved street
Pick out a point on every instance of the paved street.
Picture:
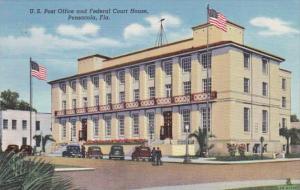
(130, 175)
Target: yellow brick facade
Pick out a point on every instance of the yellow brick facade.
(230, 106)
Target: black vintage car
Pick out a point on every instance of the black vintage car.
(12, 148)
(116, 151)
(72, 151)
(94, 152)
(26, 150)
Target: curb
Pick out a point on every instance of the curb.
(73, 169)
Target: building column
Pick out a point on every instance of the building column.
(114, 126)
(79, 93)
(90, 130)
(195, 74)
(90, 91)
(128, 86)
(102, 90)
(176, 123)
(195, 118)
(128, 125)
(68, 96)
(159, 121)
(143, 125)
(159, 80)
(78, 127)
(143, 83)
(114, 88)
(177, 77)
(101, 127)
(68, 131)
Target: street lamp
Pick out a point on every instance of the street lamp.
(151, 134)
(186, 158)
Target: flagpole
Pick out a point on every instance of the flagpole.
(207, 87)
(30, 119)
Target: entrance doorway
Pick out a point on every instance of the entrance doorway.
(83, 131)
(166, 129)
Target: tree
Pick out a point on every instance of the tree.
(294, 118)
(288, 134)
(9, 100)
(44, 139)
(200, 136)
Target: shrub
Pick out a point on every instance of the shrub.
(231, 149)
(242, 149)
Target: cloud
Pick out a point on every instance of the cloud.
(273, 26)
(137, 30)
(84, 30)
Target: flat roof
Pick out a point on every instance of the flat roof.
(285, 70)
(190, 49)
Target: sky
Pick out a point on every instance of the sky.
(56, 41)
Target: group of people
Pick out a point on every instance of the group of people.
(156, 156)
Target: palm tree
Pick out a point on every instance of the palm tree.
(44, 139)
(18, 173)
(292, 133)
(200, 136)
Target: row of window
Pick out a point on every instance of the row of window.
(264, 124)
(264, 86)
(167, 67)
(14, 124)
(185, 114)
(264, 62)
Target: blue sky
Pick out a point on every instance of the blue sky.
(56, 42)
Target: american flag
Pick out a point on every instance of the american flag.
(38, 71)
(217, 19)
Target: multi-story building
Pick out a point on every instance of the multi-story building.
(15, 127)
(132, 96)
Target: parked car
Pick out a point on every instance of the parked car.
(116, 151)
(141, 153)
(94, 152)
(72, 151)
(12, 148)
(26, 150)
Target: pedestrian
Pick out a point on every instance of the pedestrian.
(82, 151)
(159, 155)
(153, 156)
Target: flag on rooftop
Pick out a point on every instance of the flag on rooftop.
(217, 19)
(38, 71)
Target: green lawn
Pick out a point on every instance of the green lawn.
(238, 158)
(276, 187)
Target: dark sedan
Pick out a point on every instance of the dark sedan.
(94, 152)
(116, 151)
(72, 151)
(12, 148)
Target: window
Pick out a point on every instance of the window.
(151, 71)
(84, 83)
(246, 119)
(246, 85)
(283, 102)
(168, 90)
(96, 81)
(265, 66)
(5, 124)
(96, 127)
(186, 119)
(122, 97)
(24, 140)
(206, 61)
(151, 92)
(151, 120)
(85, 102)
(206, 119)
(264, 121)
(24, 124)
(246, 60)
(121, 75)
(186, 64)
(121, 125)
(107, 120)
(168, 68)
(136, 94)
(135, 122)
(63, 104)
(63, 87)
(283, 84)
(264, 89)
(206, 85)
(107, 79)
(96, 99)
(63, 129)
(135, 72)
(108, 98)
(187, 88)
(73, 85)
(73, 129)
(14, 124)
(283, 121)
(37, 125)
(74, 103)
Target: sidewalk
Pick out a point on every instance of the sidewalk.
(224, 185)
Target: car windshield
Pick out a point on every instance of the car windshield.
(94, 148)
(73, 148)
(144, 149)
(117, 147)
